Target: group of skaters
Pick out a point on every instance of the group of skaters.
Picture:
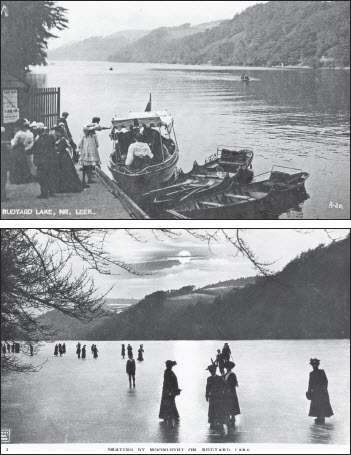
(37, 153)
(60, 349)
(130, 365)
(222, 396)
(15, 348)
(82, 351)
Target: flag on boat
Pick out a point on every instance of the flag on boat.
(148, 106)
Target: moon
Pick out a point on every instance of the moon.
(184, 256)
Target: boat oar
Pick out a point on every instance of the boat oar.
(197, 190)
(160, 190)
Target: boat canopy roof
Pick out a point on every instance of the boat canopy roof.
(155, 119)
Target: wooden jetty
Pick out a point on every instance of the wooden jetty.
(93, 203)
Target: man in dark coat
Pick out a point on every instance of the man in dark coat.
(168, 408)
(318, 394)
(46, 161)
(130, 369)
(215, 398)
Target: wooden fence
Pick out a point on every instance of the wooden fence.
(44, 105)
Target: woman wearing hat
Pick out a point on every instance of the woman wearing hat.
(215, 397)
(230, 396)
(67, 180)
(19, 171)
(170, 390)
(318, 393)
(88, 151)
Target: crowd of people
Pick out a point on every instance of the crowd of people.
(48, 156)
(16, 348)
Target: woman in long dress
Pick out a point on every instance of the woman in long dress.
(19, 170)
(168, 408)
(68, 180)
(215, 397)
(88, 151)
(230, 396)
(318, 394)
(140, 353)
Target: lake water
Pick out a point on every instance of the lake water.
(291, 117)
(71, 400)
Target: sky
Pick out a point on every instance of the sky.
(103, 18)
(181, 260)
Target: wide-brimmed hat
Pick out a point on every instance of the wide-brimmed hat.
(212, 367)
(314, 361)
(170, 363)
(65, 113)
(229, 365)
(40, 126)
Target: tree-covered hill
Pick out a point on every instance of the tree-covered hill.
(309, 298)
(313, 33)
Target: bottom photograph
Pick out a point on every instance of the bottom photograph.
(175, 336)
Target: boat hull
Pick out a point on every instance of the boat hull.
(137, 183)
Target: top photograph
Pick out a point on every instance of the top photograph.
(161, 110)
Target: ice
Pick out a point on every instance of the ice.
(89, 401)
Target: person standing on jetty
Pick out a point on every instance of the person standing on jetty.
(318, 394)
(56, 350)
(5, 162)
(46, 161)
(130, 370)
(73, 145)
(88, 148)
(67, 178)
(123, 351)
(140, 354)
(130, 350)
(60, 349)
(170, 389)
(19, 171)
(215, 397)
(84, 352)
(95, 352)
(64, 348)
(230, 396)
(78, 350)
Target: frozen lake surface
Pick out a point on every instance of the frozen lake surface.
(71, 400)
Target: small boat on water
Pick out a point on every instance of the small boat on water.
(244, 201)
(236, 160)
(158, 130)
(111, 68)
(245, 77)
(188, 187)
(238, 201)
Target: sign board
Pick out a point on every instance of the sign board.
(10, 106)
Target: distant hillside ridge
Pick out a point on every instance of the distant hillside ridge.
(98, 48)
(311, 33)
(309, 298)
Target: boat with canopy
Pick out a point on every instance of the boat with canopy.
(146, 174)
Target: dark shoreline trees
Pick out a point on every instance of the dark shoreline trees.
(26, 27)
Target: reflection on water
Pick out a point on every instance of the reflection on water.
(321, 434)
(169, 431)
(297, 118)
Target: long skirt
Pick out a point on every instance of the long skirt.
(19, 170)
(168, 408)
(320, 405)
(216, 411)
(68, 180)
(232, 403)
